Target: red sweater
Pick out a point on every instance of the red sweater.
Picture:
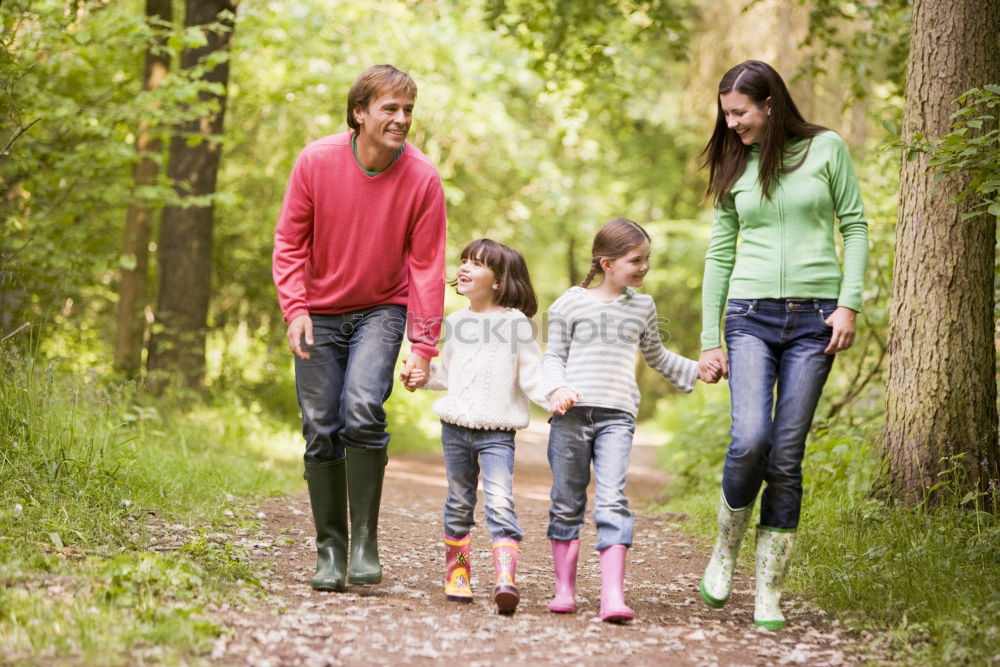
(346, 241)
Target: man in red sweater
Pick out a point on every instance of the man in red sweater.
(358, 259)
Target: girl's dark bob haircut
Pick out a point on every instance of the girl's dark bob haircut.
(514, 288)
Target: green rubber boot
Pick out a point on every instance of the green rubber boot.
(774, 549)
(365, 472)
(717, 581)
(328, 497)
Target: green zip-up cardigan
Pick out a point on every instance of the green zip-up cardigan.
(787, 247)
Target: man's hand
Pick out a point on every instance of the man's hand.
(417, 379)
(562, 399)
(712, 365)
(415, 362)
(299, 328)
(844, 325)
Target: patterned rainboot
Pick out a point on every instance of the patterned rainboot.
(458, 578)
(774, 548)
(506, 595)
(717, 581)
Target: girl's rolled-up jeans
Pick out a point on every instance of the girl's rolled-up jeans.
(582, 435)
(777, 369)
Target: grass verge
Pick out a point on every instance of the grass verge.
(92, 477)
(925, 584)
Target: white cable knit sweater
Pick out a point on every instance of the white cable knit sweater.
(491, 366)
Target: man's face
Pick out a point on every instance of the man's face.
(386, 121)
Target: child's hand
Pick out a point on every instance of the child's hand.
(712, 365)
(562, 399)
(709, 372)
(413, 380)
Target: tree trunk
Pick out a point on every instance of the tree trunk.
(941, 416)
(129, 318)
(177, 345)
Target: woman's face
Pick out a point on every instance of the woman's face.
(744, 116)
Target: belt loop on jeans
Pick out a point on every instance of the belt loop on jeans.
(753, 306)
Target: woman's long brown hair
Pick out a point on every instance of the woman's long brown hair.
(726, 155)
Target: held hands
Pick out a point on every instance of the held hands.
(415, 372)
(562, 399)
(416, 379)
(299, 328)
(844, 325)
(712, 365)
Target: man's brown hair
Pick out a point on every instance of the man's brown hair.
(374, 81)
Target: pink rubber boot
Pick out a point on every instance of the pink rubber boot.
(506, 595)
(613, 607)
(457, 580)
(565, 554)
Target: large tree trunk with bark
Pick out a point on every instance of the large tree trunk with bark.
(129, 317)
(177, 345)
(941, 416)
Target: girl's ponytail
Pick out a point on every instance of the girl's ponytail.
(595, 268)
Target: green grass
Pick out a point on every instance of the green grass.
(925, 584)
(94, 472)
(86, 469)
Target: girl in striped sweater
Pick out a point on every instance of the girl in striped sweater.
(594, 333)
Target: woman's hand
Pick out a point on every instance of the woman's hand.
(843, 322)
(712, 365)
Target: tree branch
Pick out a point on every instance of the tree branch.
(21, 130)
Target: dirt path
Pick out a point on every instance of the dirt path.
(406, 620)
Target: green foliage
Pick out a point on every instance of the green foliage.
(971, 149)
(90, 474)
(871, 42)
(929, 581)
(74, 105)
(926, 585)
(591, 40)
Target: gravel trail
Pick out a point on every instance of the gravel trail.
(406, 619)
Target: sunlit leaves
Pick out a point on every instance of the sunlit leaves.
(972, 148)
(590, 39)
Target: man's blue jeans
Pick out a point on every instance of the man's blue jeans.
(466, 452)
(582, 435)
(773, 343)
(349, 374)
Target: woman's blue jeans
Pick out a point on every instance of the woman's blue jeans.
(349, 374)
(777, 369)
(467, 451)
(582, 435)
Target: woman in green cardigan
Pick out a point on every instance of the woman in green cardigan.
(781, 185)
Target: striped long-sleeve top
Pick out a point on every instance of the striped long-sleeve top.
(592, 349)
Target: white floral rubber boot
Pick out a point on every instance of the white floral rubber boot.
(774, 548)
(718, 578)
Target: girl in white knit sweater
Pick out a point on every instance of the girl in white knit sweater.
(490, 367)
